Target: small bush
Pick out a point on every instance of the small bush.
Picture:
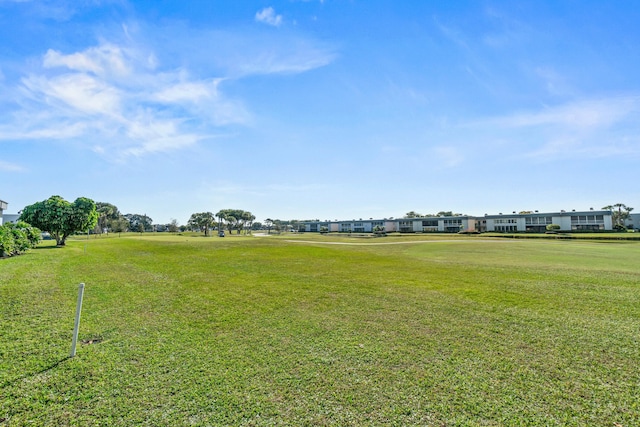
(17, 238)
(7, 243)
(553, 227)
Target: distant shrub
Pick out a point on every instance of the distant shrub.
(379, 231)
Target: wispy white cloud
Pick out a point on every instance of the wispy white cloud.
(109, 95)
(40, 128)
(128, 100)
(579, 114)
(187, 92)
(296, 58)
(591, 128)
(100, 60)
(268, 16)
(10, 167)
(236, 54)
(82, 93)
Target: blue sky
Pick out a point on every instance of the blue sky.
(320, 109)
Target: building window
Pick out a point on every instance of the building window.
(587, 219)
(405, 226)
(506, 221)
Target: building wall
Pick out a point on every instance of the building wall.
(3, 207)
(533, 222)
(359, 226)
(6, 218)
(537, 222)
(505, 223)
(390, 226)
(633, 221)
(448, 224)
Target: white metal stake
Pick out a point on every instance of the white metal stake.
(77, 325)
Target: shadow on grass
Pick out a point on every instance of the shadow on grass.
(41, 371)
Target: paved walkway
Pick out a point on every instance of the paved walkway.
(389, 243)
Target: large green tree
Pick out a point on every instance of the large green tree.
(61, 218)
(268, 223)
(139, 223)
(108, 214)
(235, 219)
(173, 226)
(247, 220)
(203, 221)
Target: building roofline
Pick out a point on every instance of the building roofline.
(538, 214)
(470, 217)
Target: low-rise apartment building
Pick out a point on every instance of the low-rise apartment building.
(533, 222)
(351, 226)
(537, 222)
(633, 221)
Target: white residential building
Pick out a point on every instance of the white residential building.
(441, 224)
(633, 221)
(534, 222)
(6, 218)
(352, 226)
(3, 207)
(537, 222)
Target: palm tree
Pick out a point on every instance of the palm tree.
(231, 223)
(619, 213)
(247, 218)
(221, 215)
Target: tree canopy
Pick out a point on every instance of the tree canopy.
(413, 214)
(235, 219)
(619, 213)
(108, 215)
(203, 221)
(139, 223)
(61, 218)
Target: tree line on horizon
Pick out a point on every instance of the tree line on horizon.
(61, 219)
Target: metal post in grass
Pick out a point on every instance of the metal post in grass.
(77, 324)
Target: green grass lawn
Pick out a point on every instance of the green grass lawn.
(289, 330)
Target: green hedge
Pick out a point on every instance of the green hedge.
(17, 238)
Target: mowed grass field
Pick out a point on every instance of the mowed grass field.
(293, 331)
